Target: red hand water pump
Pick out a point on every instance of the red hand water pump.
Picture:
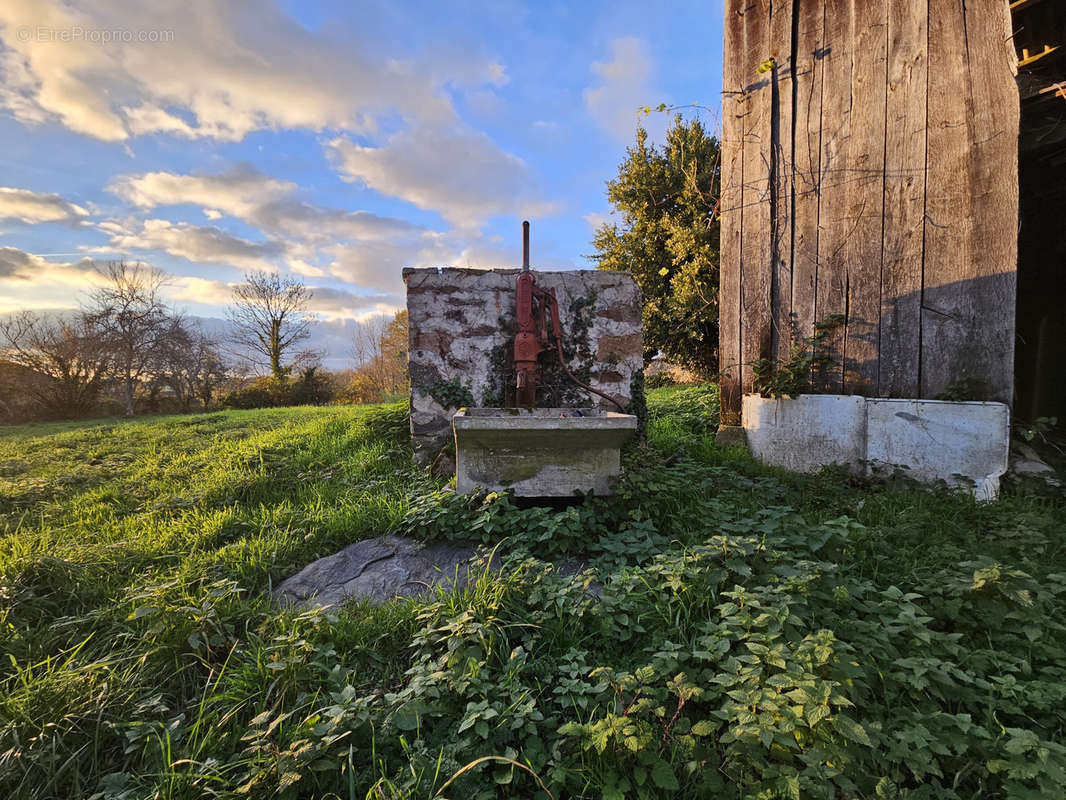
(532, 307)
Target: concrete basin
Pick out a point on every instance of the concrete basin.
(963, 443)
(539, 452)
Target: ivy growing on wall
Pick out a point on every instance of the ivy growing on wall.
(452, 393)
(638, 404)
(556, 389)
(499, 385)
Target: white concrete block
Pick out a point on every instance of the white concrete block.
(965, 444)
(806, 433)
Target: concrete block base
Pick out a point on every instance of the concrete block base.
(805, 433)
(964, 444)
(542, 452)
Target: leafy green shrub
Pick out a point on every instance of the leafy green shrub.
(808, 360)
(594, 530)
(451, 393)
(261, 393)
(311, 387)
(658, 380)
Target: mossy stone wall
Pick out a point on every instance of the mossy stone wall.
(462, 325)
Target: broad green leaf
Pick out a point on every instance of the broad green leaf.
(703, 728)
(850, 729)
(662, 775)
(816, 714)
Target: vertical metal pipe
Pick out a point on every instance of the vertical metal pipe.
(525, 246)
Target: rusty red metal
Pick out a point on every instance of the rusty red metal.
(527, 343)
(532, 307)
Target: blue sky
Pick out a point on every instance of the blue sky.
(336, 141)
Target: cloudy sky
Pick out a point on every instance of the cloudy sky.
(337, 141)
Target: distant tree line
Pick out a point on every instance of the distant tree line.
(127, 352)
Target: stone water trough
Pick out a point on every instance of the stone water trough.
(539, 452)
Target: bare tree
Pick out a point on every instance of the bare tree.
(366, 342)
(269, 315)
(191, 366)
(67, 360)
(379, 347)
(136, 322)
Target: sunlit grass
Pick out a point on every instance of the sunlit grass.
(143, 656)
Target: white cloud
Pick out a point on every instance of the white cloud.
(597, 219)
(33, 207)
(237, 192)
(326, 302)
(258, 199)
(302, 268)
(358, 247)
(29, 281)
(311, 222)
(497, 74)
(484, 102)
(379, 264)
(225, 68)
(209, 68)
(622, 86)
(194, 243)
(18, 265)
(455, 171)
(341, 304)
(307, 238)
(147, 118)
(204, 291)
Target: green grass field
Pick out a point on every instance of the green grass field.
(760, 634)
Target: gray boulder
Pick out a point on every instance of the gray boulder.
(379, 570)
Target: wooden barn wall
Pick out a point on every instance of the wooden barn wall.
(870, 152)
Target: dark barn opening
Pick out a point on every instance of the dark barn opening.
(1040, 347)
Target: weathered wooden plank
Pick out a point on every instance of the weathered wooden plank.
(865, 197)
(834, 226)
(994, 107)
(949, 355)
(731, 207)
(756, 261)
(807, 158)
(905, 153)
(781, 141)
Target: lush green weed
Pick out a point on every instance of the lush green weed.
(722, 630)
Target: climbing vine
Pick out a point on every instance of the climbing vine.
(452, 393)
(638, 404)
(556, 389)
(499, 391)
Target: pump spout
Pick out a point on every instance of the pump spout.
(525, 245)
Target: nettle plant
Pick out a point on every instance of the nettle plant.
(735, 648)
(752, 663)
(808, 359)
